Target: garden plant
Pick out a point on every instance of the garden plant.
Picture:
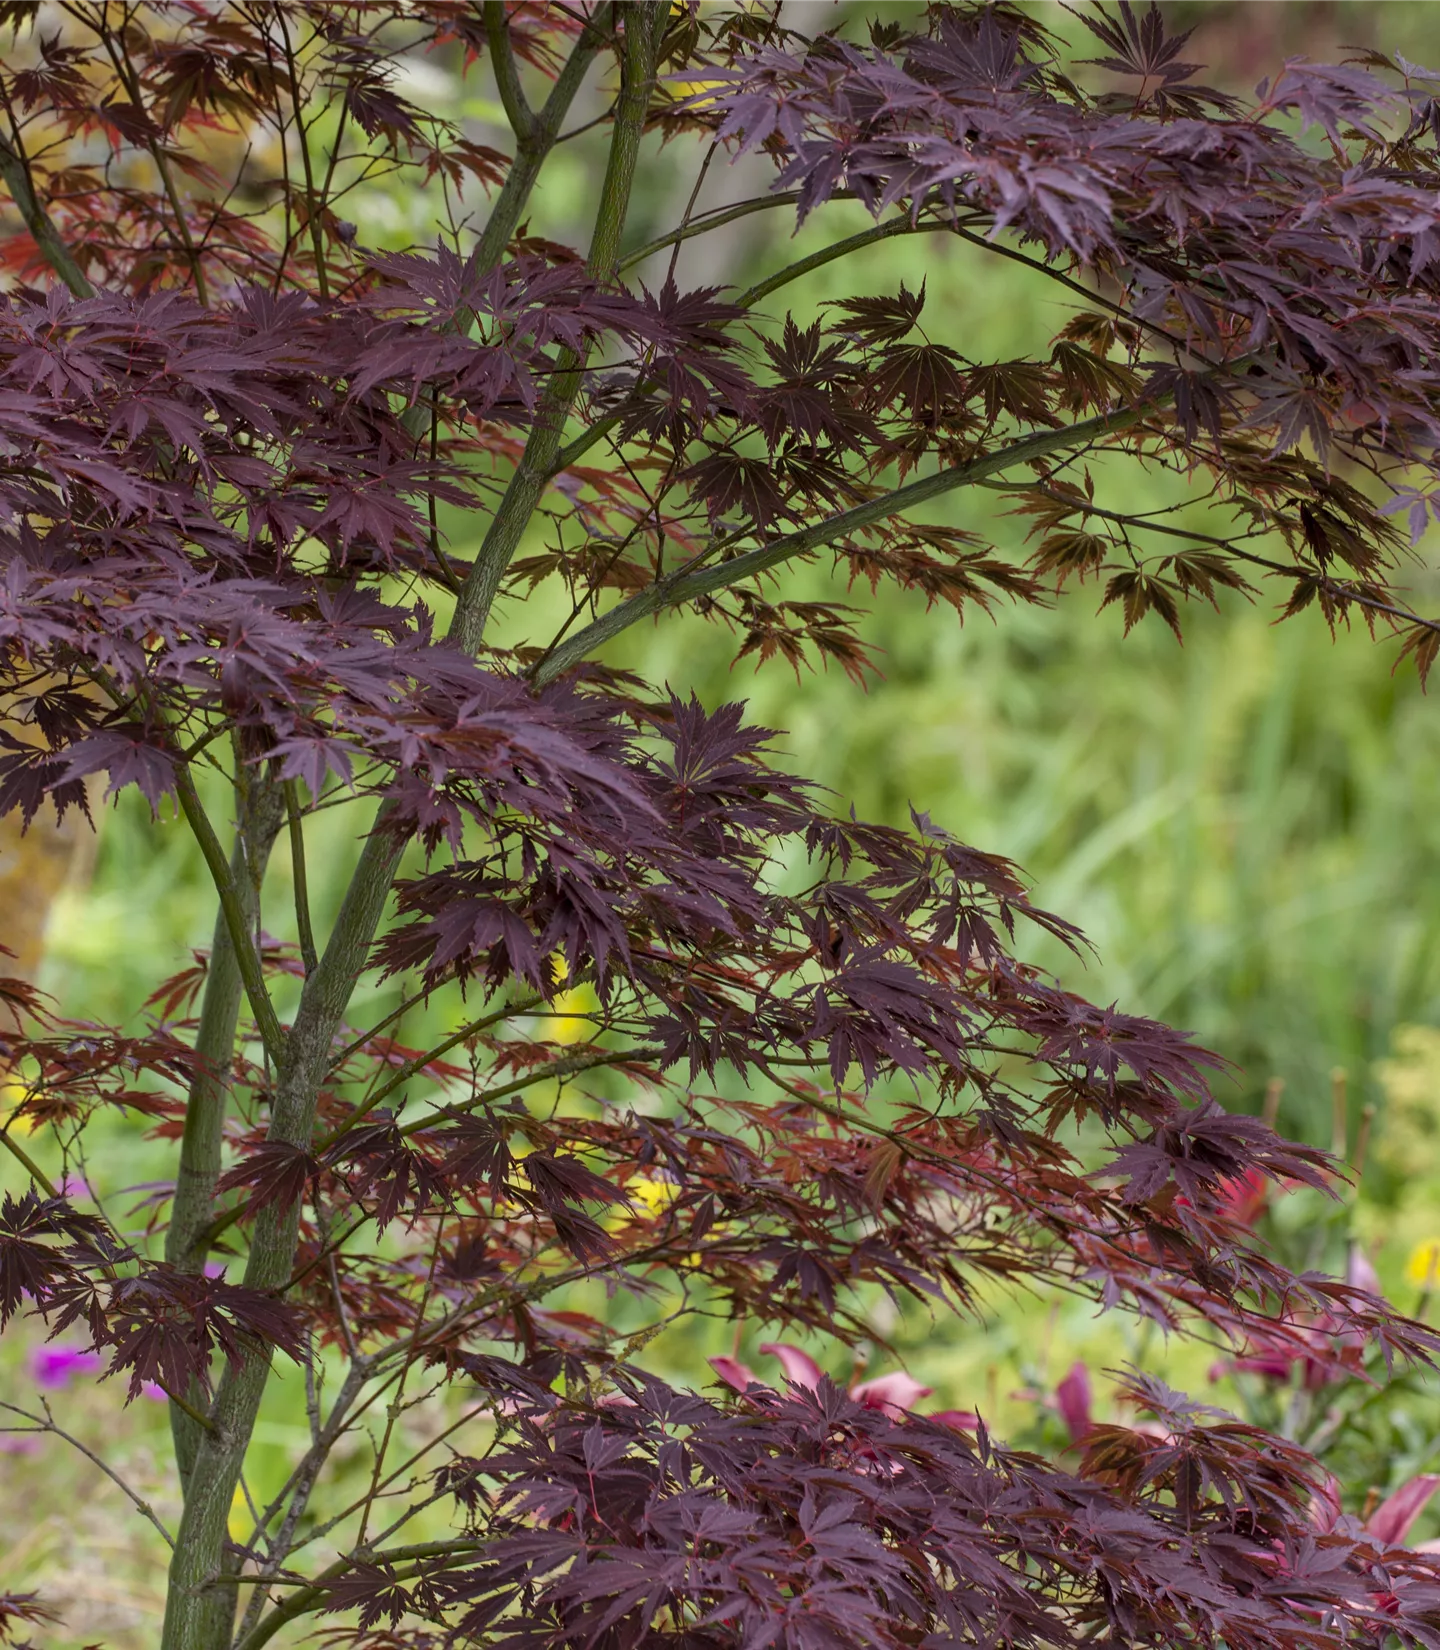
(718, 1047)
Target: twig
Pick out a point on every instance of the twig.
(48, 1425)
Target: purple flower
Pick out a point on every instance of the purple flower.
(19, 1443)
(52, 1366)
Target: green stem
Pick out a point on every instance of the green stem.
(312, 214)
(597, 432)
(200, 1608)
(186, 1242)
(418, 1064)
(507, 76)
(840, 249)
(644, 26)
(28, 1163)
(301, 877)
(534, 146)
(237, 922)
(311, 1597)
(715, 220)
(199, 1612)
(15, 172)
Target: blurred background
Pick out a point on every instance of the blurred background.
(1247, 828)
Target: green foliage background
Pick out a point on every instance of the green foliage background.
(1246, 827)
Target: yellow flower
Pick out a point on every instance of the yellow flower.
(1423, 1266)
(241, 1522)
(15, 1091)
(567, 1022)
(651, 1194)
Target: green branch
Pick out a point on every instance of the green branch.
(257, 823)
(687, 583)
(841, 249)
(15, 172)
(534, 145)
(301, 877)
(644, 26)
(28, 1163)
(412, 1067)
(311, 1595)
(507, 76)
(232, 907)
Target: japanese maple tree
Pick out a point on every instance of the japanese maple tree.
(819, 1067)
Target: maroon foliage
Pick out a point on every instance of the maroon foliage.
(813, 1063)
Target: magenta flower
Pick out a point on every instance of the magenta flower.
(19, 1443)
(1394, 1518)
(1072, 1401)
(52, 1366)
(1391, 1521)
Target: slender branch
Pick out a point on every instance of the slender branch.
(27, 1162)
(297, 104)
(532, 150)
(223, 1222)
(197, 1609)
(644, 26)
(310, 1596)
(246, 956)
(687, 584)
(555, 1071)
(16, 175)
(419, 1063)
(715, 220)
(840, 249)
(47, 1424)
(302, 882)
(125, 72)
(359, 1042)
(596, 432)
(507, 76)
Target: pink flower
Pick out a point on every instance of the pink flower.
(895, 1395)
(156, 1394)
(1322, 1354)
(963, 1420)
(1072, 1400)
(1360, 1273)
(1391, 1521)
(19, 1443)
(52, 1366)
